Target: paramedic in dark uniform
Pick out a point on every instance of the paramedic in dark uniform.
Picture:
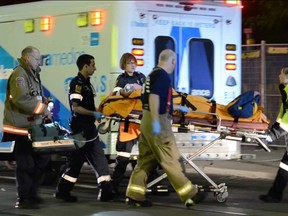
(279, 129)
(24, 107)
(126, 83)
(84, 114)
(157, 142)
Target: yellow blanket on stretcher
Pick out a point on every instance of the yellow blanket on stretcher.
(117, 105)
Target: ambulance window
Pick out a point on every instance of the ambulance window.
(201, 67)
(161, 43)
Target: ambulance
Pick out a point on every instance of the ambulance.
(205, 34)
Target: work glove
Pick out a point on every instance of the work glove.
(156, 127)
(98, 115)
(183, 109)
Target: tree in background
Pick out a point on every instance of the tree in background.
(268, 20)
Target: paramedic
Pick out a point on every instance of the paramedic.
(127, 82)
(157, 142)
(84, 114)
(279, 129)
(25, 106)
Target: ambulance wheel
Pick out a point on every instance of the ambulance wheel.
(221, 197)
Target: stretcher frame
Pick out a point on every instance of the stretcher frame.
(228, 133)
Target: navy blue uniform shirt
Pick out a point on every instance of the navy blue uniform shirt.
(125, 78)
(158, 82)
(82, 92)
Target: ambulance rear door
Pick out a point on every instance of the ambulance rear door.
(195, 39)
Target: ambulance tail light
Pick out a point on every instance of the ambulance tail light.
(137, 52)
(96, 18)
(230, 57)
(140, 62)
(45, 24)
(230, 66)
(138, 41)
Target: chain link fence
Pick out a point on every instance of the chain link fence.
(261, 66)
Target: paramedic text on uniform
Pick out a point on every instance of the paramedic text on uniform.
(157, 142)
(126, 83)
(279, 129)
(25, 106)
(84, 113)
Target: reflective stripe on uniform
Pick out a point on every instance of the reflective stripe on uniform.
(104, 178)
(185, 189)
(39, 108)
(283, 166)
(69, 178)
(136, 189)
(124, 154)
(76, 96)
(15, 130)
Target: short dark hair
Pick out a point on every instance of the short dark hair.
(125, 58)
(84, 59)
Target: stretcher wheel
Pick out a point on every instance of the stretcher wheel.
(221, 197)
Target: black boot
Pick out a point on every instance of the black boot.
(106, 191)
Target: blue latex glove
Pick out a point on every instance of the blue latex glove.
(98, 115)
(183, 109)
(156, 127)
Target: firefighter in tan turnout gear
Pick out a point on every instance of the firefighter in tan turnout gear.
(25, 106)
(157, 142)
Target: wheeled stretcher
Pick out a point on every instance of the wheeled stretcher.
(206, 133)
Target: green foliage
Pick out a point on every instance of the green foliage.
(266, 18)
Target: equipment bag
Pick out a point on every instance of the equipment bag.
(50, 138)
(245, 105)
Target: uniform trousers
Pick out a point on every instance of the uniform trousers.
(93, 153)
(281, 179)
(123, 158)
(162, 150)
(30, 166)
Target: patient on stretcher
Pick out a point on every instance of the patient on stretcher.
(203, 111)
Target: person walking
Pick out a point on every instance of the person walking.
(279, 129)
(84, 114)
(25, 105)
(127, 82)
(157, 144)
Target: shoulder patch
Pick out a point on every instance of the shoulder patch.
(78, 88)
(20, 82)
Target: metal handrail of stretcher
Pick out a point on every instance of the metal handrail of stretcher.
(232, 133)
